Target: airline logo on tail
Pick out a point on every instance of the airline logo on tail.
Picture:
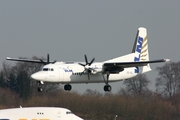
(138, 48)
(141, 48)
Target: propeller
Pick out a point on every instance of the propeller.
(87, 65)
(48, 60)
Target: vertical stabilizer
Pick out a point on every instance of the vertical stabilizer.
(140, 48)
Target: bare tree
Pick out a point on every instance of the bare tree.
(18, 77)
(168, 82)
(137, 85)
(90, 92)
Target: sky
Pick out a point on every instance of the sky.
(102, 29)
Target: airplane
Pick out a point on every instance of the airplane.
(37, 113)
(113, 70)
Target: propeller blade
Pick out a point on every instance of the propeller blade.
(42, 61)
(91, 61)
(81, 64)
(54, 62)
(82, 72)
(86, 59)
(47, 61)
(47, 58)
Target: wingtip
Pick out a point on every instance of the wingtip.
(7, 58)
(167, 60)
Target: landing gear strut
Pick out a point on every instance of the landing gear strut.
(67, 87)
(107, 87)
(39, 89)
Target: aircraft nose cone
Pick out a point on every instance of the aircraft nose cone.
(78, 118)
(38, 76)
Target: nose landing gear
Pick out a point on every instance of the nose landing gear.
(39, 89)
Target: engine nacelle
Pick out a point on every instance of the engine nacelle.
(96, 71)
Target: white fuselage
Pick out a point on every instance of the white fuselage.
(38, 113)
(61, 72)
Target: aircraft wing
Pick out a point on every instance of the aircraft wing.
(41, 61)
(23, 60)
(31, 60)
(119, 66)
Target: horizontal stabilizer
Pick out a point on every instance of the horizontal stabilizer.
(122, 65)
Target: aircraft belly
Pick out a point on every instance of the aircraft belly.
(84, 78)
(98, 78)
(115, 77)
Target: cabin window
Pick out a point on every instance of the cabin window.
(52, 69)
(40, 113)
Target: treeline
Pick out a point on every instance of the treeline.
(101, 107)
(134, 102)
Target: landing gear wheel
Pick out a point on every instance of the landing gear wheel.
(107, 88)
(40, 89)
(67, 87)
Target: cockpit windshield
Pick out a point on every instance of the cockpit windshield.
(47, 69)
(69, 112)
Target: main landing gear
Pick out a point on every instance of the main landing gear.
(107, 87)
(67, 87)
